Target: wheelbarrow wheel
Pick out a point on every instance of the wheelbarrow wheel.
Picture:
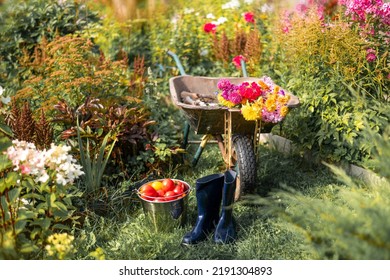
(244, 161)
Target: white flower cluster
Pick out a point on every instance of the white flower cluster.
(42, 164)
(233, 4)
(219, 21)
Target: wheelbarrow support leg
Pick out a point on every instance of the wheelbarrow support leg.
(186, 132)
(199, 152)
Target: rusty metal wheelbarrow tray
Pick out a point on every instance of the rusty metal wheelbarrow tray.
(211, 119)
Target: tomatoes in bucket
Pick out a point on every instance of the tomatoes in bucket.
(164, 190)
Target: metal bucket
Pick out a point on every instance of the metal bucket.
(164, 216)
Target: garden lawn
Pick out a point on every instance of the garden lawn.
(260, 234)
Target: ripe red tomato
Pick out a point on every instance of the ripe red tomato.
(170, 195)
(148, 191)
(179, 189)
(168, 185)
(159, 199)
(161, 192)
(145, 187)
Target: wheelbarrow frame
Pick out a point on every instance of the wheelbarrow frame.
(236, 137)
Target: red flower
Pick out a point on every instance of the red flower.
(237, 60)
(210, 27)
(250, 91)
(249, 17)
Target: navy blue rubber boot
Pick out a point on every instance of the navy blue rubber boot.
(226, 230)
(208, 197)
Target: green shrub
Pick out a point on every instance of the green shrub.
(25, 23)
(325, 65)
(344, 222)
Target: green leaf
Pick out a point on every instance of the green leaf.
(59, 213)
(19, 226)
(24, 214)
(29, 184)
(36, 196)
(61, 206)
(28, 247)
(52, 199)
(14, 194)
(43, 223)
(61, 226)
(35, 232)
(9, 181)
(5, 163)
(7, 131)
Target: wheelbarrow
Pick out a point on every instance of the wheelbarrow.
(236, 137)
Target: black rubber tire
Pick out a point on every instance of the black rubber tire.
(244, 160)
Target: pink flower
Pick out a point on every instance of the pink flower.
(237, 61)
(210, 27)
(301, 8)
(384, 13)
(235, 97)
(359, 9)
(249, 17)
(286, 22)
(25, 169)
(371, 55)
(224, 84)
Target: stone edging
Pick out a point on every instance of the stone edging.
(287, 146)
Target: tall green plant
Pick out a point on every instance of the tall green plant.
(94, 164)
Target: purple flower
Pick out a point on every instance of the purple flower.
(235, 97)
(224, 84)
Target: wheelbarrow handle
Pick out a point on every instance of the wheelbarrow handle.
(243, 68)
(178, 63)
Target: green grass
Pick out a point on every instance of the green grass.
(260, 236)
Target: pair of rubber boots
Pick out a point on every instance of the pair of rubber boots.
(211, 190)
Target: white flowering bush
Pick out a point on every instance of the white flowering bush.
(56, 162)
(37, 190)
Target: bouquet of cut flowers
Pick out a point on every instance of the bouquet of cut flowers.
(262, 100)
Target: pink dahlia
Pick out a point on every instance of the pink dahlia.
(237, 61)
(210, 27)
(249, 17)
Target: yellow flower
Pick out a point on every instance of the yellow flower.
(270, 103)
(60, 245)
(283, 111)
(258, 103)
(276, 89)
(224, 102)
(283, 99)
(263, 85)
(251, 113)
